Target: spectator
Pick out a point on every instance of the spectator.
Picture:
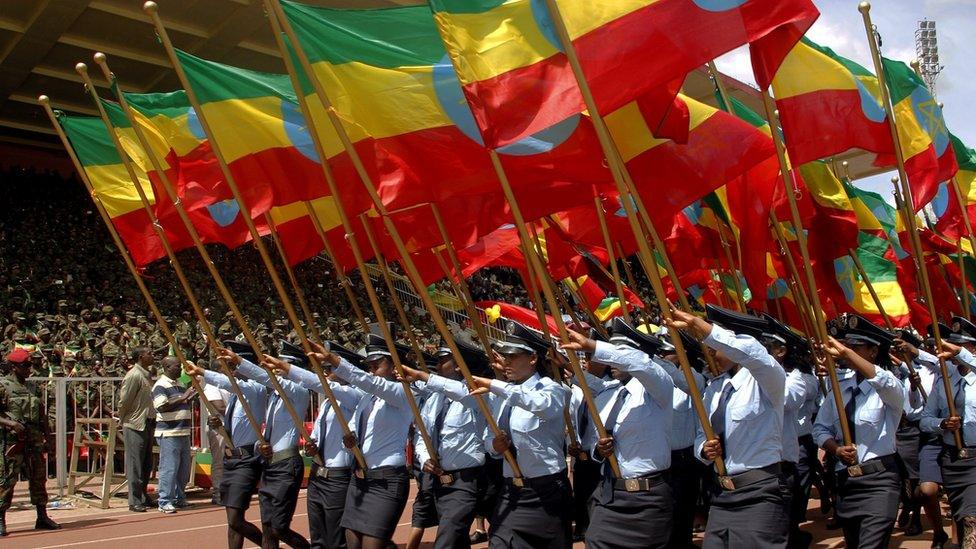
(173, 417)
(135, 405)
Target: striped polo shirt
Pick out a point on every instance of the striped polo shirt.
(176, 422)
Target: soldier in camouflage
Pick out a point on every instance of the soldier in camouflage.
(23, 440)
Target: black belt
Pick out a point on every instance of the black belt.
(965, 452)
(329, 472)
(386, 471)
(523, 482)
(243, 451)
(874, 465)
(741, 480)
(448, 477)
(640, 484)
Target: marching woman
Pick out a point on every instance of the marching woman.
(534, 510)
(958, 464)
(377, 496)
(868, 472)
(327, 483)
(636, 509)
(750, 504)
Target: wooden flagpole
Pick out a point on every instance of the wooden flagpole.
(164, 326)
(152, 10)
(962, 278)
(280, 23)
(820, 324)
(923, 276)
(874, 295)
(290, 271)
(608, 242)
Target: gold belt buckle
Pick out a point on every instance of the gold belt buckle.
(855, 470)
(518, 482)
(965, 453)
(631, 485)
(726, 483)
(446, 479)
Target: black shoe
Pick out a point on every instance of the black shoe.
(45, 523)
(137, 508)
(903, 517)
(914, 526)
(478, 537)
(939, 540)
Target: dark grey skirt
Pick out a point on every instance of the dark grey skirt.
(374, 505)
(959, 480)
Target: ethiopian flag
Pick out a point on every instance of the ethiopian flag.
(215, 219)
(114, 188)
(387, 73)
(828, 104)
(925, 144)
(951, 223)
(518, 80)
(259, 128)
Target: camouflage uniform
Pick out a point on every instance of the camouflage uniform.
(21, 403)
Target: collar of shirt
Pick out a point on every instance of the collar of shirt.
(970, 378)
(740, 378)
(532, 382)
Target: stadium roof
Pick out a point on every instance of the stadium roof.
(42, 40)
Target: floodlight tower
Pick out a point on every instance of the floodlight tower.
(927, 51)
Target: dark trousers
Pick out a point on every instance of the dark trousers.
(752, 516)
(326, 499)
(534, 516)
(456, 504)
(631, 519)
(138, 462)
(586, 477)
(686, 473)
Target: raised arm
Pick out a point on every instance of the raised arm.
(655, 379)
(390, 391)
(746, 351)
(546, 402)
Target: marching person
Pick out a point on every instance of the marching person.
(750, 504)
(283, 467)
(636, 509)
(328, 483)
(242, 470)
(958, 464)
(457, 428)
(137, 417)
(784, 345)
(24, 435)
(377, 496)
(533, 510)
(868, 475)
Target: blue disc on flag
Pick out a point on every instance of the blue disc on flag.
(447, 88)
(719, 5)
(869, 105)
(844, 270)
(193, 123)
(224, 212)
(296, 129)
(929, 115)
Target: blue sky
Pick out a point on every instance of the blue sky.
(841, 28)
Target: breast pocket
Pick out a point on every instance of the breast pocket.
(458, 418)
(873, 414)
(525, 423)
(744, 411)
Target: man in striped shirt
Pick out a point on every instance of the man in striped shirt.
(172, 403)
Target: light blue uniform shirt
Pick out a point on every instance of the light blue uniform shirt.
(237, 425)
(333, 452)
(796, 395)
(754, 414)
(642, 433)
(684, 421)
(878, 410)
(810, 403)
(936, 409)
(384, 439)
(279, 429)
(537, 427)
(460, 442)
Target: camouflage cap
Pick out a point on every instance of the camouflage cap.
(19, 315)
(43, 332)
(107, 309)
(62, 303)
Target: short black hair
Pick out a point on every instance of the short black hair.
(138, 352)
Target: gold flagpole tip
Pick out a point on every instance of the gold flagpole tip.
(81, 68)
(844, 163)
(99, 57)
(864, 7)
(894, 179)
(150, 7)
(43, 99)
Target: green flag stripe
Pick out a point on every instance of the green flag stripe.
(390, 37)
(965, 157)
(218, 82)
(91, 140)
(902, 80)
